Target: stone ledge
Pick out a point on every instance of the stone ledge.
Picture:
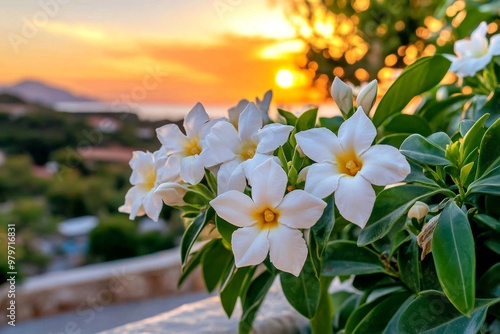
(100, 284)
(275, 316)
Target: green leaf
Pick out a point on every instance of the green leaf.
(378, 317)
(404, 123)
(416, 79)
(417, 175)
(193, 231)
(489, 221)
(347, 258)
(233, 286)
(331, 123)
(425, 150)
(454, 257)
(307, 120)
(194, 261)
(409, 264)
(393, 139)
(225, 228)
(344, 310)
(492, 107)
(324, 226)
(254, 298)
(196, 199)
(473, 137)
(489, 151)
(489, 284)
(290, 118)
(392, 325)
(432, 313)
(488, 183)
(302, 292)
(391, 207)
(215, 263)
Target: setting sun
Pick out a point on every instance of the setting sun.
(284, 78)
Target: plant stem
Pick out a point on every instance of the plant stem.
(322, 322)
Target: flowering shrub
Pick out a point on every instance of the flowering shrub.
(421, 190)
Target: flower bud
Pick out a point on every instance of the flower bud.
(419, 210)
(424, 239)
(342, 94)
(367, 96)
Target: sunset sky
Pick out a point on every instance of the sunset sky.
(215, 51)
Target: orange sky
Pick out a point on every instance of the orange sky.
(156, 50)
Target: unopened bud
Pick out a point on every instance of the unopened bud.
(367, 96)
(419, 210)
(342, 94)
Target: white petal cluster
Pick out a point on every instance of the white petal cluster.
(348, 165)
(473, 54)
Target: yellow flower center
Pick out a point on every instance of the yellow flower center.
(192, 147)
(349, 164)
(150, 179)
(247, 150)
(267, 218)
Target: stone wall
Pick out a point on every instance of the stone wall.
(94, 286)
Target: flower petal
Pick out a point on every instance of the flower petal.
(194, 120)
(268, 184)
(319, 144)
(142, 164)
(357, 133)
(288, 250)
(133, 202)
(258, 159)
(322, 179)
(223, 143)
(355, 198)
(300, 209)
(192, 169)
(250, 122)
(172, 193)
(153, 205)
(272, 136)
(171, 170)
(171, 137)
(495, 45)
(383, 165)
(235, 207)
(231, 176)
(235, 112)
(250, 246)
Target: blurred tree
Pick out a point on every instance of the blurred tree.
(360, 40)
(114, 238)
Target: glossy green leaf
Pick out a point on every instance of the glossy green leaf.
(344, 310)
(492, 107)
(302, 292)
(307, 120)
(404, 123)
(432, 313)
(417, 176)
(324, 226)
(290, 118)
(254, 298)
(393, 139)
(392, 325)
(196, 199)
(225, 228)
(488, 221)
(331, 123)
(344, 257)
(454, 257)
(472, 138)
(231, 288)
(194, 261)
(215, 263)
(489, 284)
(409, 264)
(488, 183)
(391, 206)
(424, 150)
(193, 231)
(489, 151)
(416, 79)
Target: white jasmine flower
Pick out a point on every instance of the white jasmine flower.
(240, 151)
(269, 221)
(348, 165)
(342, 95)
(141, 198)
(189, 148)
(367, 96)
(473, 54)
(235, 112)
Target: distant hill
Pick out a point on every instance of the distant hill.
(39, 92)
(10, 99)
